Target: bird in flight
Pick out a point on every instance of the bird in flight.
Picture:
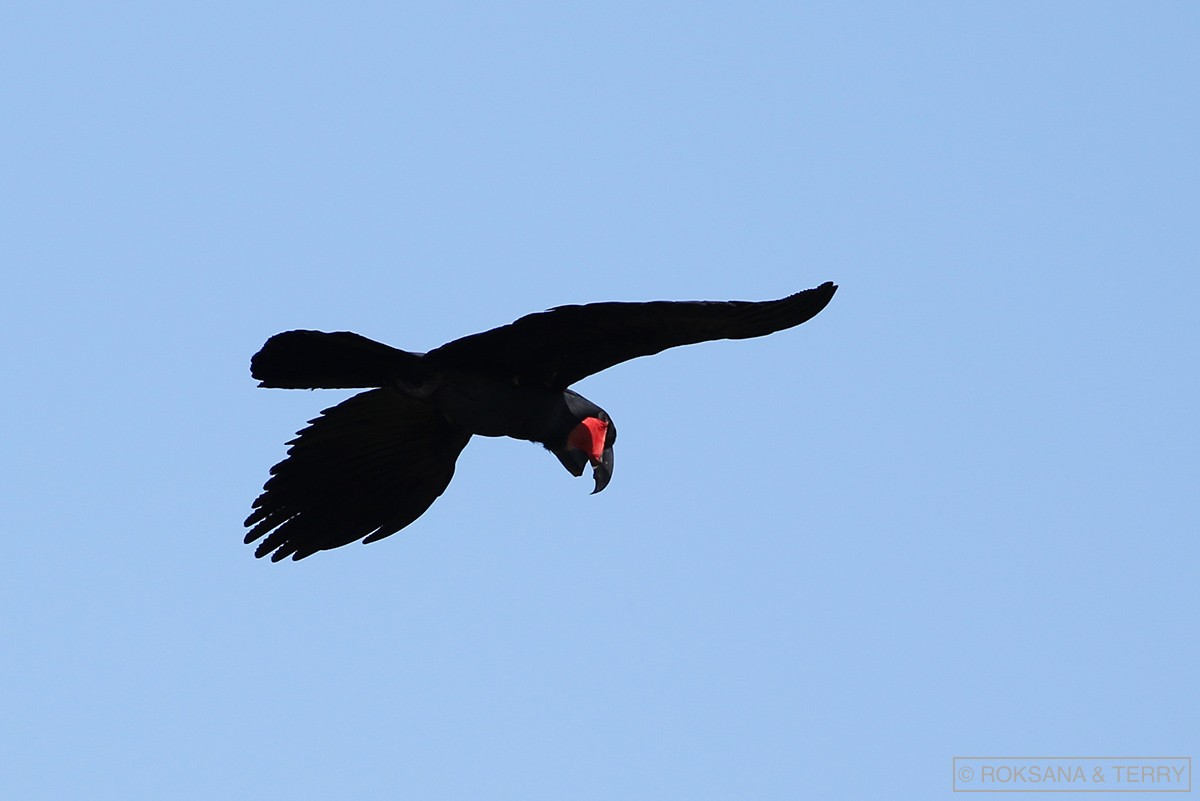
(374, 463)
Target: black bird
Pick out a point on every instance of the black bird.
(374, 463)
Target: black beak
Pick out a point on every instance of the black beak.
(575, 461)
(602, 470)
(572, 459)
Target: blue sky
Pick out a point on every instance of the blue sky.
(955, 514)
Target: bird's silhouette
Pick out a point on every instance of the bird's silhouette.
(374, 463)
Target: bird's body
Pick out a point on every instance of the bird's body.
(374, 463)
(491, 408)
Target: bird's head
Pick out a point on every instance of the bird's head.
(589, 440)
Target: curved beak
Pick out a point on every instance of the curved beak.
(576, 461)
(602, 470)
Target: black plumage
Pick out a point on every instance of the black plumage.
(369, 466)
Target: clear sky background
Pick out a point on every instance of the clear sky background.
(954, 514)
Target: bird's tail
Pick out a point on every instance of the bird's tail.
(339, 360)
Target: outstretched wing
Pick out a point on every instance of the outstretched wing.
(364, 469)
(554, 349)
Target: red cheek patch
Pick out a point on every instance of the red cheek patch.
(589, 437)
